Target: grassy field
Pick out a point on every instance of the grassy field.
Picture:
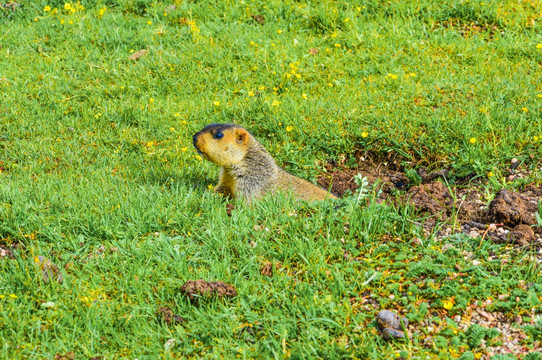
(98, 174)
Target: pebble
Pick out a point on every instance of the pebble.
(391, 325)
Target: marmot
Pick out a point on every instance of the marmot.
(248, 171)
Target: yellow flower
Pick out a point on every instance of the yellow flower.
(337, 45)
(198, 157)
(216, 103)
(47, 8)
(413, 74)
(210, 187)
(151, 100)
(279, 31)
(490, 174)
(304, 96)
(261, 88)
(280, 124)
(275, 103)
(539, 95)
(67, 6)
(392, 76)
(346, 20)
(535, 138)
(13, 296)
(62, 21)
(172, 129)
(289, 128)
(447, 304)
(472, 140)
(251, 93)
(184, 149)
(364, 134)
(149, 22)
(525, 109)
(539, 46)
(330, 84)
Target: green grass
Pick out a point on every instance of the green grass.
(95, 150)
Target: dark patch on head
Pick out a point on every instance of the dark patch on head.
(213, 129)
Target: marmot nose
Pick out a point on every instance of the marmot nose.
(195, 141)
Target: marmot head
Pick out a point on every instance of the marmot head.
(222, 144)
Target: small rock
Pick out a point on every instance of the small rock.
(169, 344)
(5, 251)
(391, 334)
(389, 319)
(488, 316)
(391, 325)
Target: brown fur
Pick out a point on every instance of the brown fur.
(248, 170)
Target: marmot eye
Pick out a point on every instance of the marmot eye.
(218, 135)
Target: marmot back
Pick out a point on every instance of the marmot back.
(248, 170)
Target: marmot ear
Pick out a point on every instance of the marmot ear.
(242, 136)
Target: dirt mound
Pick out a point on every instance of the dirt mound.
(198, 289)
(341, 178)
(434, 198)
(511, 209)
(522, 235)
(510, 217)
